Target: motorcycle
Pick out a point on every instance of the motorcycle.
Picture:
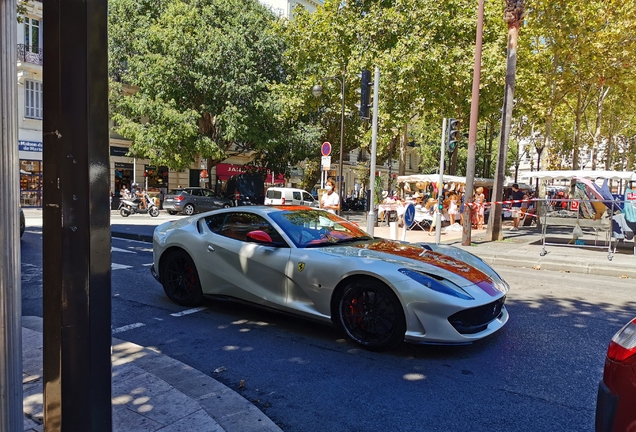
(130, 206)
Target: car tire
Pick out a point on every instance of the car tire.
(124, 212)
(180, 279)
(154, 212)
(370, 314)
(172, 212)
(188, 209)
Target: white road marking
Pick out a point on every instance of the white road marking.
(128, 327)
(116, 249)
(115, 266)
(188, 311)
(147, 265)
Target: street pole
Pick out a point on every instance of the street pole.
(472, 131)
(342, 123)
(440, 188)
(374, 147)
(11, 417)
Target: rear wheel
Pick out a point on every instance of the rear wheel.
(188, 209)
(180, 279)
(124, 212)
(371, 314)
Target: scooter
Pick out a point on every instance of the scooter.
(129, 206)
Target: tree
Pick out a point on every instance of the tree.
(204, 73)
(513, 15)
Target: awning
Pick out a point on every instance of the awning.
(225, 171)
(432, 178)
(569, 174)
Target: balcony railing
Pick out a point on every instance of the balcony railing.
(29, 54)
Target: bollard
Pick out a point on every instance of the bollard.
(393, 230)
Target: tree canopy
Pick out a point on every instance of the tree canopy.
(201, 73)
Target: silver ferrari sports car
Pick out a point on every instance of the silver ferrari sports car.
(317, 265)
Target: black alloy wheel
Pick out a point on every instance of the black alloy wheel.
(371, 315)
(180, 279)
(188, 209)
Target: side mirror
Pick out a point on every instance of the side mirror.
(259, 236)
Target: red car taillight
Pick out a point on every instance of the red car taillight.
(622, 348)
(178, 198)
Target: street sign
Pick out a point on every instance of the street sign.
(409, 215)
(326, 148)
(326, 162)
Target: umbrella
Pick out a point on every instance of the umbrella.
(592, 189)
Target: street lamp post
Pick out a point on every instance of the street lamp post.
(317, 91)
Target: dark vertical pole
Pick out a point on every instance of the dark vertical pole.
(472, 131)
(76, 217)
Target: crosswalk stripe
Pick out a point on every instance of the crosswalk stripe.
(116, 249)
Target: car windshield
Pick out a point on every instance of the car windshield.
(317, 228)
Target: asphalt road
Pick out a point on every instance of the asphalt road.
(539, 373)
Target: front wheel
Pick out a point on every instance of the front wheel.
(180, 279)
(154, 212)
(371, 315)
(188, 209)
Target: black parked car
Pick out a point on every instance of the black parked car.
(192, 200)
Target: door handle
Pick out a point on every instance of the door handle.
(210, 248)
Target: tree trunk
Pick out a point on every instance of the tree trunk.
(494, 223)
(403, 150)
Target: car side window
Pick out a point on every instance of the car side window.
(195, 192)
(237, 225)
(207, 193)
(215, 222)
(307, 197)
(296, 195)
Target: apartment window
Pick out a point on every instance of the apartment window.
(33, 98)
(32, 35)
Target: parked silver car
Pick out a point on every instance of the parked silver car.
(192, 200)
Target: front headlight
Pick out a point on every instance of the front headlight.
(435, 284)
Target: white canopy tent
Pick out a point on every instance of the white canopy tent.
(433, 178)
(569, 174)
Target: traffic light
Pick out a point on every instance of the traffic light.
(365, 92)
(453, 135)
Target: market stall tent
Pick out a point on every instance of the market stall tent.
(569, 174)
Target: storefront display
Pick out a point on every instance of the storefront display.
(30, 183)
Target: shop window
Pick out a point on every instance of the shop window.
(30, 183)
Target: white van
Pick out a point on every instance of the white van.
(289, 196)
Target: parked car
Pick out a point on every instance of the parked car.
(192, 200)
(22, 222)
(317, 265)
(616, 397)
(289, 196)
(246, 189)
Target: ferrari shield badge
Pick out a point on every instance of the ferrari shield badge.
(301, 266)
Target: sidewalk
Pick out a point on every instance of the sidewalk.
(150, 391)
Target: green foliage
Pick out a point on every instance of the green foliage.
(204, 72)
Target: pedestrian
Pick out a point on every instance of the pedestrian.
(480, 203)
(125, 193)
(452, 207)
(517, 196)
(330, 201)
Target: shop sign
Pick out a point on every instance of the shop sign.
(118, 151)
(31, 146)
(122, 165)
